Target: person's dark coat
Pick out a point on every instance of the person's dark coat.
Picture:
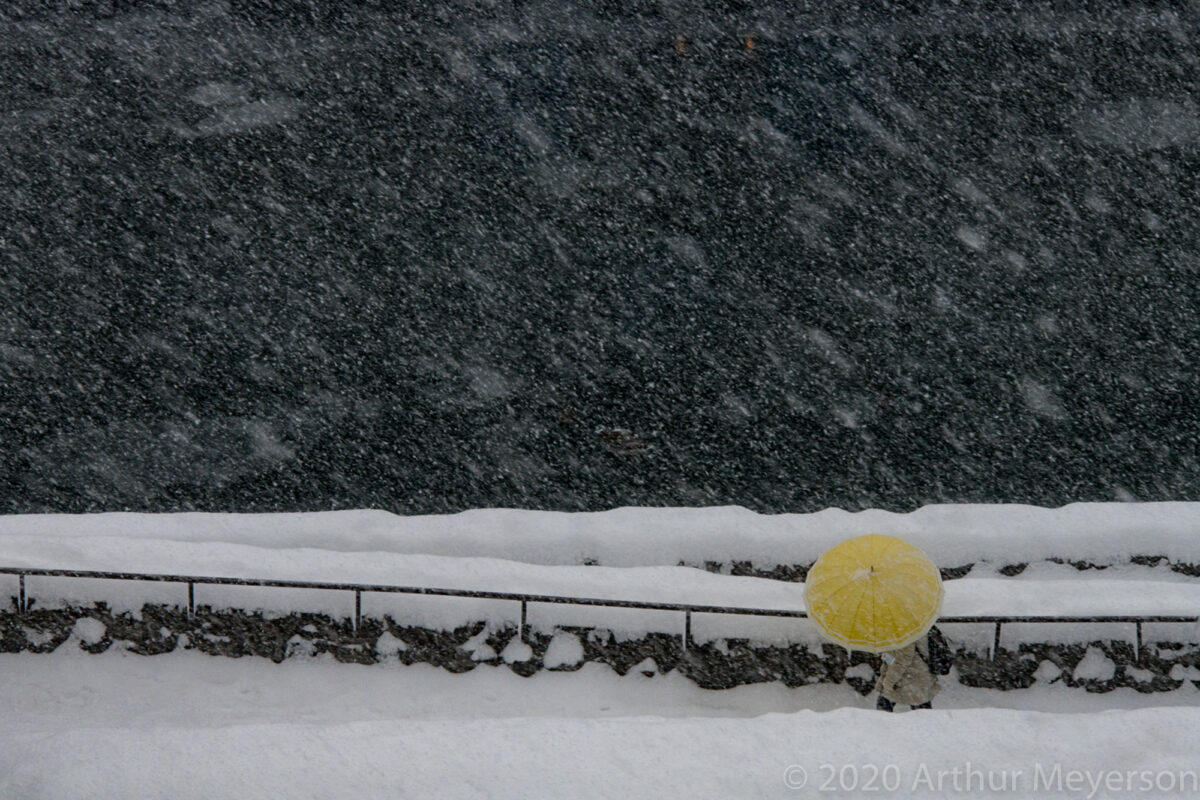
(909, 675)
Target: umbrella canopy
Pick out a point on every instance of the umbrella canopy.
(874, 593)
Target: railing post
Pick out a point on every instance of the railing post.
(1137, 647)
(687, 629)
(357, 609)
(191, 611)
(521, 627)
(21, 600)
(996, 641)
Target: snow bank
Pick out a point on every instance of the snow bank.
(952, 535)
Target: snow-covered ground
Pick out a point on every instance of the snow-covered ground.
(952, 535)
(185, 725)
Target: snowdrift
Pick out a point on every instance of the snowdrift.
(952, 535)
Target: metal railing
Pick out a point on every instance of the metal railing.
(688, 609)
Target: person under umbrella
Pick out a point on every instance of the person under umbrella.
(909, 675)
(880, 594)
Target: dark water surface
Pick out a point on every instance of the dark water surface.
(434, 256)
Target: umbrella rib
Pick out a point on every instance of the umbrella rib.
(917, 613)
(875, 616)
(861, 599)
(891, 615)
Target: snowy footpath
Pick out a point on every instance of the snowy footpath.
(186, 725)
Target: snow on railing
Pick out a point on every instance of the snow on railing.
(525, 599)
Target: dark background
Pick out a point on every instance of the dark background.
(434, 256)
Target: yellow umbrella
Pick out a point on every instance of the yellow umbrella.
(874, 593)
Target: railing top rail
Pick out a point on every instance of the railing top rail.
(1185, 618)
(391, 589)
(555, 599)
